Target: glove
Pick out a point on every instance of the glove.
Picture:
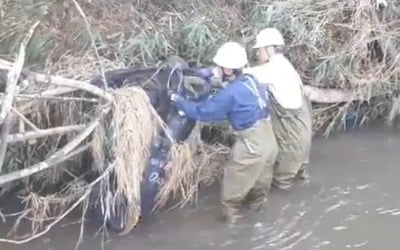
(381, 4)
(212, 75)
(204, 73)
(209, 72)
(177, 102)
(176, 99)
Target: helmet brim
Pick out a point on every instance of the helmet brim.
(257, 46)
(223, 64)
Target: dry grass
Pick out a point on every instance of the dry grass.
(192, 164)
(124, 140)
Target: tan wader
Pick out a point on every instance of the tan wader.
(293, 131)
(250, 169)
(307, 120)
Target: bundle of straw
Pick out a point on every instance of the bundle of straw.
(123, 140)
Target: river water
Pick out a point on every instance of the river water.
(351, 202)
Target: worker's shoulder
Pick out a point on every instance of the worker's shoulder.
(230, 89)
(281, 62)
(238, 86)
(238, 82)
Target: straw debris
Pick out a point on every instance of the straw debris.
(123, 140)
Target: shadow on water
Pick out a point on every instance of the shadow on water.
(352, 202)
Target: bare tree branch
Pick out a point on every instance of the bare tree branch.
(42, 97)
(55, 98)
(12, 80)
(78, 7)
(49, 162)
(43, 133)
(24, 119)
(5, 129)
(62, 82)
(14, 74)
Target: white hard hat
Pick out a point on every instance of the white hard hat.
(231, 55)
(268, 37)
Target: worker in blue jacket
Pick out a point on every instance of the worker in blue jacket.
(248, 173)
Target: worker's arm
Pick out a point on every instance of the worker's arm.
(214, 109)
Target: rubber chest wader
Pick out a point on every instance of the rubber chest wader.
(293, 131)
(248, 173)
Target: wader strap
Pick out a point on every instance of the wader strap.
(253, 88)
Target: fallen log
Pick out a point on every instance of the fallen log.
(322, 95)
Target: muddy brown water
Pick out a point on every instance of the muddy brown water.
(351, 202)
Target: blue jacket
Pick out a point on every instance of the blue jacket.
(236, 103)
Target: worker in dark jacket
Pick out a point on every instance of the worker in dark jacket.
(248, 174)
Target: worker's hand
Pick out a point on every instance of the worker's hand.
(217, 72)
(204, 73)
(209, 72)
(175, 98)
(381, 4)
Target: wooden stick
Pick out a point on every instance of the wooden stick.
(49, 162)
(30, 124)
(74, 153)
(51, 98)
(57, 91)
(65, 82)
(12, 80)
(43, 133)
(55, 98)
(103, 74)
(394, 111)
(47, 93)
(62, 82)
(50, 94)
(14, 74)
(4, 134)
(5, 65)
